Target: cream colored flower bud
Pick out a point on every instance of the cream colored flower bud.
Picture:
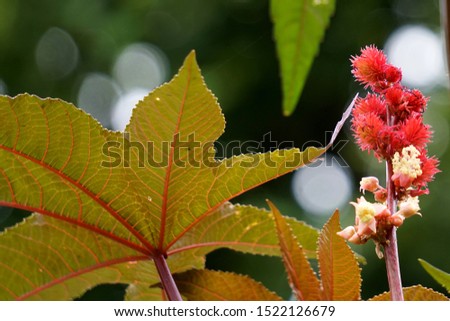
(347, 232)
(370, 183)
(409, 207)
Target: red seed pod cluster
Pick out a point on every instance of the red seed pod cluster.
(390, 119)
(389, 123)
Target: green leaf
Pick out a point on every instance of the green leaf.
(207, 285)
(299, 27)
(302, 278)
(413, 293)
(243, 228)
(339, 270)
(440, 276)
(140, 193)
(44, 258)
(182, 120)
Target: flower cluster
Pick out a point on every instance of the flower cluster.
(389, 123)
(372, 219)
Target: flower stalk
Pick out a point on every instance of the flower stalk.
(391, 248)
(389, 123)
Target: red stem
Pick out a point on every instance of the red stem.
(390, 249)
(166, 278)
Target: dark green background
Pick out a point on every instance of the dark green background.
(236, 51)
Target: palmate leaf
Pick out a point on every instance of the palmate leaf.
(339, 270)
(44, 258)
(243, 228)
(302, 278)
(136, 196)
(182, 128)
(299, 27)
(207, 285)
(413, 293)
(239, 227)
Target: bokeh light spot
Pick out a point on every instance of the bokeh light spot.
(56, 54)
(123, 108)
(140, 66)
(321, 188)
(418, 51)
(97, 95)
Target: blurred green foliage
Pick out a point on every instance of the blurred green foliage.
(235, 49)
(299, 27)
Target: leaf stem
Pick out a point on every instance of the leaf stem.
(390, 248)
(166, 278)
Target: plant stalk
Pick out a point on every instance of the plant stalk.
(390, 249)
(166, 278)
